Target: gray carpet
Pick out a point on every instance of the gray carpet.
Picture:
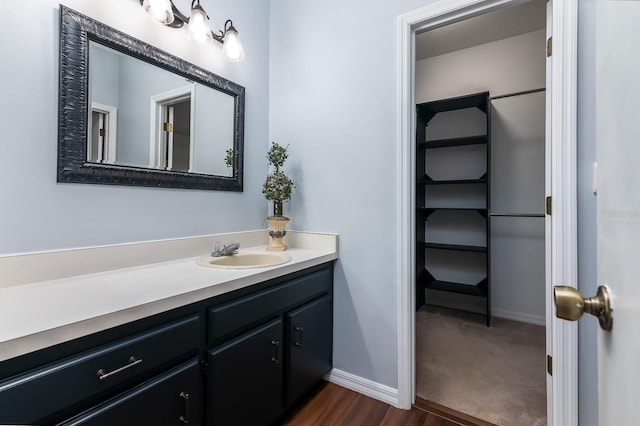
(497, 374)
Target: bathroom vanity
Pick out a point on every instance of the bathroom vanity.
(241, 350)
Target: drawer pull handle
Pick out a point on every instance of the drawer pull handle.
(301, 331)
(185, 419)
(276, 346)
(102, 375)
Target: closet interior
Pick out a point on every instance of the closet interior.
(480, 215)
(480, 203)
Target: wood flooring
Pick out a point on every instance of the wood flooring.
(331, 404)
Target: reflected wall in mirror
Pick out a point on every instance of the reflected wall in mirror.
(131, 114)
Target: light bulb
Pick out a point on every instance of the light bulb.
(232, 47)
(160, 10)
(199, 28)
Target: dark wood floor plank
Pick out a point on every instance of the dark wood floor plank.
(453, 415)
(364, 411)
(396, 417)
(322, 406)
(435, 420)
(334, 405)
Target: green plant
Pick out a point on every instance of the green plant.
(277, 186)
(228, 159)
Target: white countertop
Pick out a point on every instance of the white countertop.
(38, 314)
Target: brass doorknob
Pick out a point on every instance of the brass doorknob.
(570, 305)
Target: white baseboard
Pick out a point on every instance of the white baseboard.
(364, 386)
(519, 316)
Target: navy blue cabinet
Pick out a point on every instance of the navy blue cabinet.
(309, 347)
(245, 380)
(282, 349)
(243, 357)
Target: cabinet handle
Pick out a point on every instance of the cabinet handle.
(185, 419)
(301, 331)
(276, 348)
(102, 375)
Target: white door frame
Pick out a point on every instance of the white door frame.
(562, 396)
(111, 113)
(156, 131)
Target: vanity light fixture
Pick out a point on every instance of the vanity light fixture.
(198, 27)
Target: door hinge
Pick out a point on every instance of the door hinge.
(168, 127)
(549, 46)
(101, 132)
(550, 365)
(548, 205)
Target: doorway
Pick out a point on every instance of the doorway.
(102, 124)
(176, 149)
(561, 241)
(480, 245)
(172, 130)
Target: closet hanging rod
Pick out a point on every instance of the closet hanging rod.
(526, 92)
(516, 214)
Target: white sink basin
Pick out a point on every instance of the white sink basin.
(244, 260)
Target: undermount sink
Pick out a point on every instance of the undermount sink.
(245, 260)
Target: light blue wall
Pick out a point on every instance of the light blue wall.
(333, 100)
(104, 77)
(39, 214)
(139, 81)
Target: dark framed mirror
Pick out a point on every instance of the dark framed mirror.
(132, 114)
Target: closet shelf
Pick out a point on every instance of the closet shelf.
(456, 247)
(429, 210)
(471, 209)
(446, 143)
(479, 289)
(426, 180)
(428, 109)
(459, 161)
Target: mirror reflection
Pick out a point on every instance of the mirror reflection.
(132, 114)
(144, 116)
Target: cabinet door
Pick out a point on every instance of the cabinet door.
(310, 347)
(171, 399)
(245, 378)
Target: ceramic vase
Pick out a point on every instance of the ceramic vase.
(277, 232)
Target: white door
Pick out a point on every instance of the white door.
(618, 199)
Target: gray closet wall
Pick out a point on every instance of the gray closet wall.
(517, 206)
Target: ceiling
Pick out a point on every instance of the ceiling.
(503, 23)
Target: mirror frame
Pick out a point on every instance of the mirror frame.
(76, 30)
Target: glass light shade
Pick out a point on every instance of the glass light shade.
(160, 10)
(232, 47)
(199, 28)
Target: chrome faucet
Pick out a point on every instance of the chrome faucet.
(226, 250)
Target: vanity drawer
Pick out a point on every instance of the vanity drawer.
(172, 398)
(37, 395)
(231, 318)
